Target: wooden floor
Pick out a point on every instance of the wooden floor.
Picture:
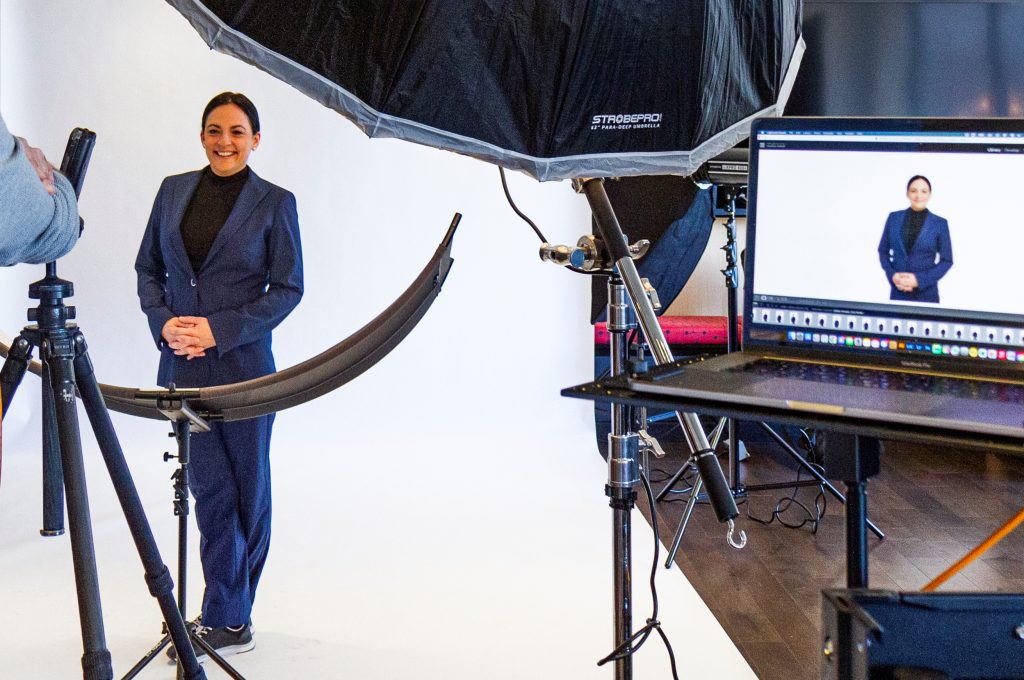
(933, 505)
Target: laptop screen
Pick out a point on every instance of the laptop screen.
(891, 239)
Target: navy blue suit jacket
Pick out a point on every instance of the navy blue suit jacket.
(250, 281)
(929, 259)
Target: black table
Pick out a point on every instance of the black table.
(852, 446)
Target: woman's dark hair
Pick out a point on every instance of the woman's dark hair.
(917, 177)
(239, 100)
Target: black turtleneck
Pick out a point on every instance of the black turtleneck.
(913, 222)
(208, 211)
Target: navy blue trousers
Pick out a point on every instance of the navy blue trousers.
(230, 476)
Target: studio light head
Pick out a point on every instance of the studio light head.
(728, 169)
(726, 175)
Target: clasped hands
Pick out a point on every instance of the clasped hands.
(189, 336)
(904, 281)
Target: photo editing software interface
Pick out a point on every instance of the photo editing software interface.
(900, 239)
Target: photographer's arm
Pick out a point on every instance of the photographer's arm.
(35, 224)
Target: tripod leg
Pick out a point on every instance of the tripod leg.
(53, 476)
(150, 655)
(672, 482)
(14, 370)
(96, 658)
(158, 578)
(678, 538)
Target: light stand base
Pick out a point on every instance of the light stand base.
(174, 405)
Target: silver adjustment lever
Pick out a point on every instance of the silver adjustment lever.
(639, 249)
(650, 444)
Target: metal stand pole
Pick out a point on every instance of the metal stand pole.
(623, 475)
(819, 478)
(732, 283)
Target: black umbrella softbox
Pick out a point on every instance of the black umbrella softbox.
(555, 89)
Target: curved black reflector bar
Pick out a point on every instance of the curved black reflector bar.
(310, 379)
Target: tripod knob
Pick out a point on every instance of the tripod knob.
(562, 255)
(57, 314)
(168, 456)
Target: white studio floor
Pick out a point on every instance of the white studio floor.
(391, 558)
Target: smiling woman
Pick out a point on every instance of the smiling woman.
(231, 131)
(219, 267)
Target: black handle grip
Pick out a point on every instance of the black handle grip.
(715, 485)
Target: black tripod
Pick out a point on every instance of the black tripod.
(174, 405)
(68, 370)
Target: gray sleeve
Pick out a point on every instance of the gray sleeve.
(34, 226)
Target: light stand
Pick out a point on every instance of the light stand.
(614, 256)
(623, 476)
(732, 284)
(66, 362)
(174, 405)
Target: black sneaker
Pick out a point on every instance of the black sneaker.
(224, 641)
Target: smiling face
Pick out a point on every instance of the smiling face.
(228, 139)
(919, 192)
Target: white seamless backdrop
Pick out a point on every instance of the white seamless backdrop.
(442, 516)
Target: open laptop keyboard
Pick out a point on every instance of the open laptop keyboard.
(889, 380)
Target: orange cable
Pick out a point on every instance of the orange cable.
(998, 535)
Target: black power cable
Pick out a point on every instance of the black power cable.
(627, 648)
(508, 197)
(536, 229)
(787, 503)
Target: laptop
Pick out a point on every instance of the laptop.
(884, 275)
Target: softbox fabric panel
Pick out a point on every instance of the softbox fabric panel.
(675, 216)
(555, 89)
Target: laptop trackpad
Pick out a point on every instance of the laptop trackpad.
(849, 397)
